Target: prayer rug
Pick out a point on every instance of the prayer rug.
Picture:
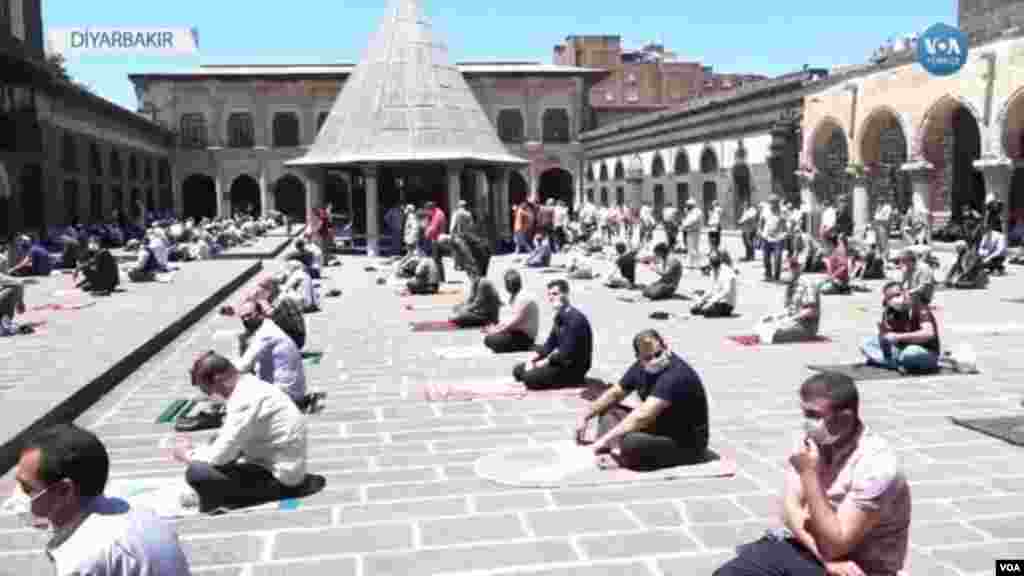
(312, 358)
(460, 391)
(641, 299)
(434, 326)
(169, 498)
(170, 414)
(62, 307)
(566, 464)
(552, 270)
(478, 351)
(1008, 428)
(441, 292)
(755, 340)
(862, 372)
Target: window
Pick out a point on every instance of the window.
(657, 167)
(682, 193)
(604, 196)
(286, 130)
(556, 125)
(96, 203)
(620, 171)
(240, 132)
(632, 95)
(321, 119)
(69, 162)
(193, 131)
(620, 196)
(510, 125)
(682, 164)
(115, 165)
(133, 168)
(147, 170)
(95, 160)
(604, 172)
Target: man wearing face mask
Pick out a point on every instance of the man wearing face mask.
(566, 356)
(518, 333)
(800, 319)
(908, 335)
(271, 352)
(670, 272)
(260, 453)
(720, 301)
(61, 475)
(669, 429)
(846, 505)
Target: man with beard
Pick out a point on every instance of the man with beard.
(566, 356)
(669, 429)
(271, 353)
(908, 335)
(846, 503)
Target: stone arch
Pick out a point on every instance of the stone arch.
(245, 195)
(620, 170)
(199, 197)
(116, 170)
(950, 139)
(830, 155)
(290, 197)
(557, 183)
(883, 148)
(1011, 125)
(604, 172)
(682, 162)
(657, 166)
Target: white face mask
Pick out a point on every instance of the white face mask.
(659, 363)
(816, 430)
(20, 503)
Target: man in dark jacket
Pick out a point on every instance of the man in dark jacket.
(483, 305)
(568, 352)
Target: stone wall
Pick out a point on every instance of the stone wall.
(987, 18)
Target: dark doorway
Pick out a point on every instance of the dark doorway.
(336, 193)
(32, 198)
(245, 195)
(70, 201)
(710, 195)
(659, 201)
(290, 197)
(557, 183)
(199, 196)
(96, 203)
(620, 196)
(741, 188)
(682, 193)
(968, 185)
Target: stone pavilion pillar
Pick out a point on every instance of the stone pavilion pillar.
(223, 209)
(809, 199)
(265, 200)
(998, 173)
(454, 190)
(861, 202)
(372, 216)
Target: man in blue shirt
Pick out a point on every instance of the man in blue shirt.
(35, 260)
(669, 429)
(567, 354)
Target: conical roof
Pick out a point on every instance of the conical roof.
(405, 102)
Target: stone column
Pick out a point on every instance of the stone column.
(861, 203)
(998, 173)
(265, 199)
(346, 177)
(920, 172)
(372, 216)
(223, 206)
(314, 192)
(807, 197)
(502, 209)
(454, 189)
(484, 205)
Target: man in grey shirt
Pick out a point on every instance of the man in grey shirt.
(518, 333)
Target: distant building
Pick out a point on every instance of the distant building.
(643, 80)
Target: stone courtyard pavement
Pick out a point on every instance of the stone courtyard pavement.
(402, 497)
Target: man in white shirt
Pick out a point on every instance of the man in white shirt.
(720, 301)
(692, 228)
(519, 332)
(992, 251)
(271, 352)
(61, 475)
(260, 453)
(883, 217)
(828, 226)
(462, 220)
(299, 287)
(715, 226)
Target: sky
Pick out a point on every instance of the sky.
(744, 36)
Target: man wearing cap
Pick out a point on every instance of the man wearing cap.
(692, 228)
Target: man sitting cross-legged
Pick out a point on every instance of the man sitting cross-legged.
(802, 303)
(568, 352)
(846, 504)
(670, 272)
(483, 305)
(837, 264)
(670, 428)
(12, 301)
(426, 278)
(541, 255)
(260, 453)
(720, 301)
(908, 335)
(624, 271)
(270, 352)
(97, 270)
(518, 333)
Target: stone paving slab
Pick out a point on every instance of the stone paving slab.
(78, 355)
(402, 499)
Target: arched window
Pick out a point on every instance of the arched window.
(682, 164)
(604, 197)
(708, 161)
(590, 173)
(69, 161)
(286, 130)
(556, 125)
(147, 169)
(95, 160)
(604, 172)
(193, 131)
(620, 171)
(240, 130)
(115, 165)
(133, 168)
(657, 167)
(510, 125)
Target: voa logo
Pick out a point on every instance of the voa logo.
(942, 50)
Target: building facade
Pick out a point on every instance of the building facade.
(734, 147)
(67, 155)
(643, 80)
(239, 125)
(889, 130)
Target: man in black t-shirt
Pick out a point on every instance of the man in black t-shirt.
(669, 429)
(624, 275)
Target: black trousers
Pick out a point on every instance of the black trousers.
(437, 254)
(772, 557)
(646, 451)
(716, 310)
(548, 376)
(715, 238)
(748, 244)
(234, 485)
(659, 291)
(421, 288)
(509, 341)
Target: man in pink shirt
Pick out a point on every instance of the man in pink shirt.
(846, 506)
(437, 224)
